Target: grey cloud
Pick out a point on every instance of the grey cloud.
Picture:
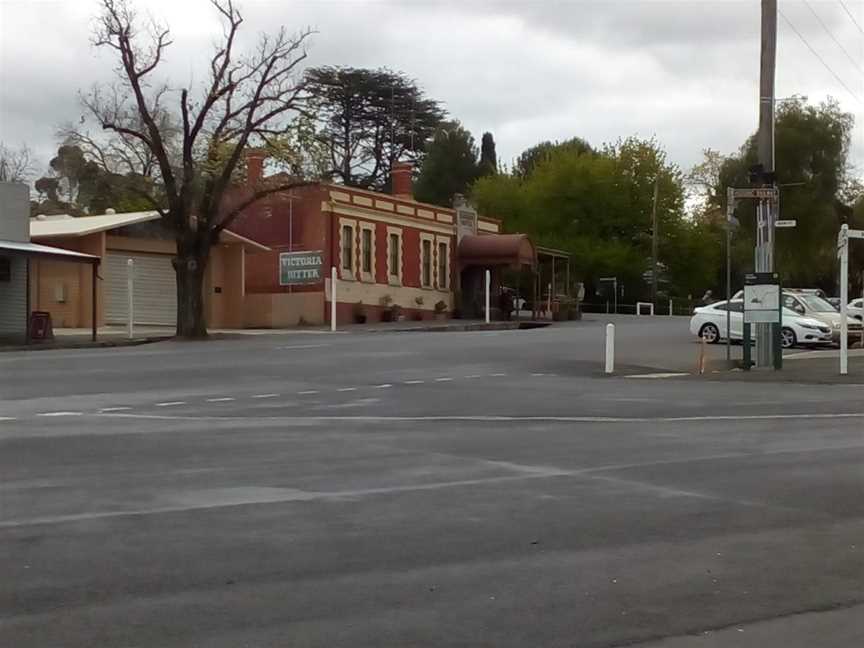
(686, 72)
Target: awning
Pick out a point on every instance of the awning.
(497, 250)
(45, 251)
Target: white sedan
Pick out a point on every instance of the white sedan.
(856, 309)
(709, 322)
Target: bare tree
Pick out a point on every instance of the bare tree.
(248, 100)
(16, 165)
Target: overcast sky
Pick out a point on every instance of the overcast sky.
(527, 70)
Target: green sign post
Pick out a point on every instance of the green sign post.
(763, 303)
(300, 268)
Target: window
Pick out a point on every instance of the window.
(794, 304)
(347, 248)
(5, 269)
(366, 248)
(426, 263)
(442, 266)
(394, 244)
(736, 307)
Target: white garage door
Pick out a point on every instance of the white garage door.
(154, 293)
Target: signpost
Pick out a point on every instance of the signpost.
(843, 252)
(762, 305)
(300, 268)
(614, 282)
(786, 223)
(756, 193)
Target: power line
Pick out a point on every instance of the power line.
(851, 17)
(821, 60)
(833, 37)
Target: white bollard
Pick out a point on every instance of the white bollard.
(844, 298)
(130, 305)
(610, 348)
(488, 282)
(670, 308)
(333, 298)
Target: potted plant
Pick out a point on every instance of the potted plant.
(418, 314)
(359, 313)
(387, 309)
(440, 310)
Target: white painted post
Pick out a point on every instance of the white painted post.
(488, 282)
(844, 299)
(333, 298)
(610, 348)
(549, 302)
(670, 308)
(130, 306)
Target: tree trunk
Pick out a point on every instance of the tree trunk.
(191, 319)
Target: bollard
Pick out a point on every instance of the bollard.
(130, 305)
(488, 282)
(610, 348)
(700, 362)
(670, 308)
(333, 299)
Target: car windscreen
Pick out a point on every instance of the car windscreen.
(817, 304)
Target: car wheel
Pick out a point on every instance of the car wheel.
(710, 333)
(787, 338)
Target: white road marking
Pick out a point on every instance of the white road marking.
(302, 346)
(384, 386)
(8, 418)
(537, 375)
(414, 382)
(308, 392)
(114, 409)
(508, 419)
(346, 389)
(265, 396)
(443, 379)
(61, 414)
(224, 399)
(170, 403)
(658, 375)
(473, 377)
(497, 375)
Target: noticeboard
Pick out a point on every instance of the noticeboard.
(761, 297)
(300, 268)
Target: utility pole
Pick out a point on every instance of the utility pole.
(654, 243)
(765, 214)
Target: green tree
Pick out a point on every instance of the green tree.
(450, 166)
(530, 158)
(488, 156)
(812, 144)
(369, 119)
(598, 207)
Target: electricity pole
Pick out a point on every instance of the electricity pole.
(765, 213)
(654, 244)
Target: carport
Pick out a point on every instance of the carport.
(19, 255)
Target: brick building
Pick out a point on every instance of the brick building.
(387, 248)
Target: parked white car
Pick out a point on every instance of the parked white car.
(855, 308)
(709, 322)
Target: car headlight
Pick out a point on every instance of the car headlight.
(836, 325)
(824, 329)
(808, 326)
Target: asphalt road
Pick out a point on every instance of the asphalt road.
(453, 489)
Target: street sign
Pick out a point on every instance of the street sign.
(756, 193)
(855, 233)
(300, 268)
(786, 223)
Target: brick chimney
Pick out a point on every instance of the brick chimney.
(401, 182)
(255, 166)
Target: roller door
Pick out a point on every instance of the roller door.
(154, 294)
